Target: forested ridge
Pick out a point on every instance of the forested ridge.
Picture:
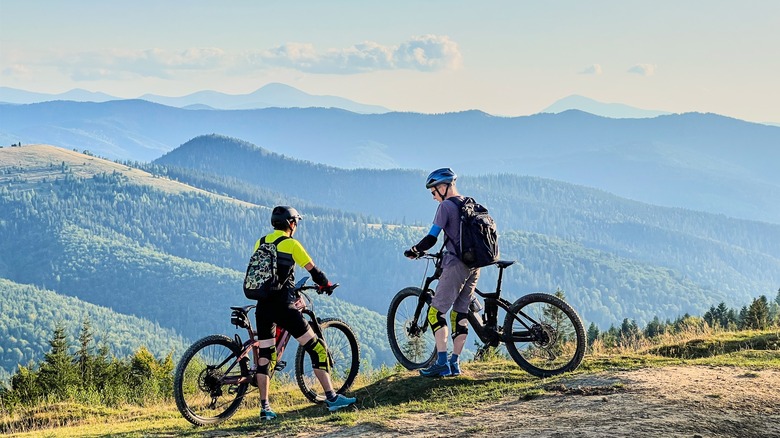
(176, 259)
(730, 256)
(29, 315)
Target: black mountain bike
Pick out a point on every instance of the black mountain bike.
(214, 374)
(542, 333)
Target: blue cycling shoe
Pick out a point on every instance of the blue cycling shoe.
(267, 415)
(454, 369)
(436, 370)
(340, 402)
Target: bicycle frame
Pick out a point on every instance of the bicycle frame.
(485, 325)
(252, 344)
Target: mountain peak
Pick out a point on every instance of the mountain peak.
(611, 110)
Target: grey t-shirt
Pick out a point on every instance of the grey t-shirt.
(448, 219)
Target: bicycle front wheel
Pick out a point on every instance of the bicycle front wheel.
(544, 335)
(343, 354)
(203, 396)
(410, 340)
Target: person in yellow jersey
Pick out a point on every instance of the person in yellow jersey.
(281, 306)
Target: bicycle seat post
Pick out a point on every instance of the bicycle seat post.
(500, 279)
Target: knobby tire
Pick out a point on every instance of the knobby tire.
(344, 353)
(556, 342)
(199, 396)
(412, 350)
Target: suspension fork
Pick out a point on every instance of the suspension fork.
(425, 298)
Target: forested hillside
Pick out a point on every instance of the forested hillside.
(732, 258)
(28, 316)
(176, 257)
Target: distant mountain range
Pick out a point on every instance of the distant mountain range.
(273, 95)
(612, 110)
(697, 161)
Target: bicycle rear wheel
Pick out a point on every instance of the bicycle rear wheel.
(201, 394)
(344, 356)
(410, 340)
(544, 335)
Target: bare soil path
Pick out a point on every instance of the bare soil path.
(689, 401)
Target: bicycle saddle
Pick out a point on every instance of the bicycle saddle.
(505, 263)
(244, 309)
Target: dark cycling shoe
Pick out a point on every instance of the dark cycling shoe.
(267, 415)
(454, 369)
(436, 370)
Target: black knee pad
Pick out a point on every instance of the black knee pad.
(436, 319)
(266, 353)
(318, 354)
(458, 328)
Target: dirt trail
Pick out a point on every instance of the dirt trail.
(655, 402)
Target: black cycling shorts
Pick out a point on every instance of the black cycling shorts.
(278, 309)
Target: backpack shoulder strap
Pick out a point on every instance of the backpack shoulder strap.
(279, 240)
(458, 202)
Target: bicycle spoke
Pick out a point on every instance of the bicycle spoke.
(343, 354)
(206, 387)
(544, 335)
(411, 341)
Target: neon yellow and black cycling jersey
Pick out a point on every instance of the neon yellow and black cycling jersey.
(289, 253)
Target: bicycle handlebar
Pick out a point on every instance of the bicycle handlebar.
(429, 255)
(301, 286)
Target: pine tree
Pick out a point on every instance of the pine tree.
(758, 314)
(84, 358)
(57, 372)
(654, 328)
(593, 333)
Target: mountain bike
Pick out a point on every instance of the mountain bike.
(542, 333)
(214, 373)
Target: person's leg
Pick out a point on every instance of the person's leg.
(320, 363)
(266, 333)
(319, 356)
(321, 367)
(459, 315)
(450, 284)
(266, 362)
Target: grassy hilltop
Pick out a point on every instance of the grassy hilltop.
(704, 379)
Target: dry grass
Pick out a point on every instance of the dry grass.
(390, 395)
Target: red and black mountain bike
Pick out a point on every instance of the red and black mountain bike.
(214, 374)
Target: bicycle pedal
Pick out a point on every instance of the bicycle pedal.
(280, 365)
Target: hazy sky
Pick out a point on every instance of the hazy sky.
(502, 57)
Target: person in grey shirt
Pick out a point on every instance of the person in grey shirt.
(457, 282)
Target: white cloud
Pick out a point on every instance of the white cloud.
(16, 70)
(123, 64)
(594, 69)
(643, 69)
(424, 53)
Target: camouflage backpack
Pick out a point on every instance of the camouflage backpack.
(262, 273)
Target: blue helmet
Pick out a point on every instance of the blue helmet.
(445, 175)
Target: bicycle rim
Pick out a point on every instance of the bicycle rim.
(201, 395)
(414, 349)
(344, 353)
(544, 335)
